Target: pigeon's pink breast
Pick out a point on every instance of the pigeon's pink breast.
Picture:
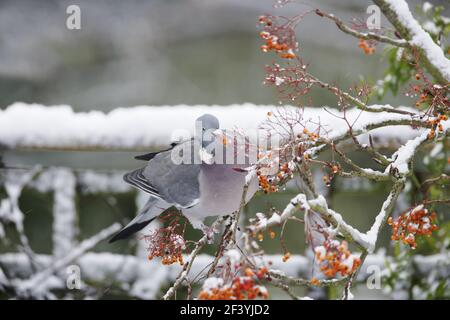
(221, 188)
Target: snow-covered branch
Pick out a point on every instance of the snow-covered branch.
(398, 13)
(405, 154)
(299, 202)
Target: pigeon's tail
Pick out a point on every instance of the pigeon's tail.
(152, 209)
(129, 230)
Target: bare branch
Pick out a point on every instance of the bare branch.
(362, 35)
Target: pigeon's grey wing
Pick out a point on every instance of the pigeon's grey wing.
(176, 183)
(137, 179)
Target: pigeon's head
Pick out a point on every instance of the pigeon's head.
(209, 124)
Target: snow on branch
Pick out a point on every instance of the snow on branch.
(405, 153)
(398, 13)
(386, 210)
(299, 202)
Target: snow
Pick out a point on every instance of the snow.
(320, 204)
(89, 181)
(350, 295)
(417, 209)
(426, 6)
(10, 212)
(36, 126)
(372, 235)
(62, 182)
(319, 201)
(374, 173)
(250, 176)
(279, 81)
(94, 182)
(145, 278)
(348, 262)
(405, 154)
(320, 251)
(274, 219)
(65, 216)
(299, 201)
(3, 279)
(39, 281)
(234, 256)
(212, 283)
(430, 26)
(263, 290)
(420, 37)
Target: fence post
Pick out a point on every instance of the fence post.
(65, 221)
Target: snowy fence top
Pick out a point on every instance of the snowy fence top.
(34, 126)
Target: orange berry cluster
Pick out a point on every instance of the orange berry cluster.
(270, 183)
(436, 124)
(416, 89)
(411, 224)
(260, 273)
(311, 136)
(334, 168)
(315, 281)
(272, 41)
(327, 180)
(260, 235)
(167, 244)
(266, 183)
(272, 234)
(334, 257)
(367, 48)
(242, 288)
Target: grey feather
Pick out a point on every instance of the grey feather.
(176, 183)
(152, 209)
(138, 180)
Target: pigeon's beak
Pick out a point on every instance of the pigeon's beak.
(217, 132)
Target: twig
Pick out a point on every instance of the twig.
(363, 35)
(362, 172)
(304, 282)
(188, 264)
